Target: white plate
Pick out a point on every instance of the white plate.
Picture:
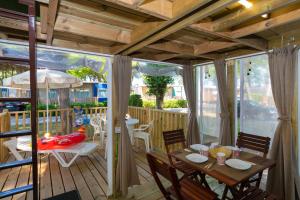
(197, 147)
(196, 158)
(238, 164)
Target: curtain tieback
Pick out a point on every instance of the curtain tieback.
(224, 115)
(284, 118)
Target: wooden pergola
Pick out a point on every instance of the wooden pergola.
(163, 30)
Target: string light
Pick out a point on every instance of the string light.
(246, 3)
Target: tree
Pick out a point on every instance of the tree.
(87, 73)
(157, 86)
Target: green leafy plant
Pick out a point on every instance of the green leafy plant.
(157, 86)
(175, 104)
(148, 104)
(42, 106)
(88, 104)
(166, 104)
(86, 72)
(135, 100)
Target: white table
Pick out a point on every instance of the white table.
(131, 122)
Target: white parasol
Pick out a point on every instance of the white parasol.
(46, 79)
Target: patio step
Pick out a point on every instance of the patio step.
(17, 163)
(14, 191)
(15, 133)
(13, 60)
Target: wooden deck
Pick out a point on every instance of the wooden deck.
(87, 175)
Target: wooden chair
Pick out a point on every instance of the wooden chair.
(184, 189)
(172, 138)
(256, 143)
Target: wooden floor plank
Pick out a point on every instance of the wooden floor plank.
(67, 178)
(23, 180)
(5, 173)
(99, 167)
(99, 178)
(56, 178)
(79, 181)
(45, 180)
(12, 180)
(92, 183)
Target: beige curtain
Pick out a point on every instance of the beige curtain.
(283, 179)
(225, 134)
(127, 174)
(188, 77)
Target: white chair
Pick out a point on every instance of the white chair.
(143, 132)
(99, 128)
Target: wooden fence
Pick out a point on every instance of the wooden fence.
(4, 126)
(21, 119)
(163, 121)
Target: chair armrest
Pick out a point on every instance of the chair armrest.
(142, 127)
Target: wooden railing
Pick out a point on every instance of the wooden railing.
(4, 126)
(21, 119)
(163, 121)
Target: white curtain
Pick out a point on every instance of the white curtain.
(188, 77)
(127, 174)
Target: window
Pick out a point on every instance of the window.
(208, 108)
(256, 111)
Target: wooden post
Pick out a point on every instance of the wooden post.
(4, 127)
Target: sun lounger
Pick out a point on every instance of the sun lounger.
(81, 149)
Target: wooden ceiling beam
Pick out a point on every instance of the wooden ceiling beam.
(258, 8)
(262, 45)
(161, 27)
(44, 17)
(158, 12)
(266, 24)
(52, 13)
(179, 48)
(21, 25)
(81, 46)
(165, 56)
(212, 46)
(100, 13)
(172, 26)
(70, 24)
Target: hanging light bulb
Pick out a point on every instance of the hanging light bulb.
(246, 3)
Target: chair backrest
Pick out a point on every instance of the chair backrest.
(158, 166)
(254, 142)
(171, 138)
(151, 124)
(95, 121)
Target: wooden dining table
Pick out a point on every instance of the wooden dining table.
(225, 174)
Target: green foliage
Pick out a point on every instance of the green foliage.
(88, 104)
(135, 100)
(148, 104)
(86, 72)
(42, 106)
(175, 104)
(166, 104)
(157, 85)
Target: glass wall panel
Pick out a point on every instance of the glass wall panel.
(256, 111)
(208, 103)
